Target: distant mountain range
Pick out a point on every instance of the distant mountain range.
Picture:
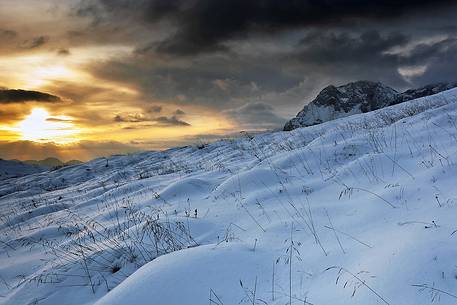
(17, 168)
(357, 97)
(14, 168)
(51, 162)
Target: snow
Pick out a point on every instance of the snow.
(172, 274)
(359, 210)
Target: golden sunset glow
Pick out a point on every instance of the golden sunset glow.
(83, 104)
(74, 88)
(39, 126)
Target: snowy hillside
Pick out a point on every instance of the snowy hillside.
(360, 210)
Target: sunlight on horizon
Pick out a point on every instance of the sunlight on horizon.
(40, 126)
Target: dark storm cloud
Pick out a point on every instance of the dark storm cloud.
(256, 115)
(7, 34)
(8, 40)
(59, 120)
(204, 25)
(155, 109)
(336, 32)
(137, 127)
(436, 51)
(130, 118)
(329, 47)
(216, 82)
(170, 121)
(77, 92)
(440, 60)
(368, 48)
(35, 42)
(275, 52)
(228, 81)
(9, 96)
(179, 112)
(162, 121)
(370, 55)
(343, 56)
(63, 52)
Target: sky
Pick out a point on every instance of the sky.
(81, 79)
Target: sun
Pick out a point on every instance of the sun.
(40, 126)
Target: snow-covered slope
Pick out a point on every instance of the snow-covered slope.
(13, 168)
(359, 210)
(357, 97)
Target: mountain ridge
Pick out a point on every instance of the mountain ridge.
(15, 169)
(335, 102)
(18, 168)
(51, 162)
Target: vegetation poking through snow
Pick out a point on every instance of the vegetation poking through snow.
(366, 202)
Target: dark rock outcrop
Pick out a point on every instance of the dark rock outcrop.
(357, 97)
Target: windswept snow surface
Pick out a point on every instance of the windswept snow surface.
(360, 210)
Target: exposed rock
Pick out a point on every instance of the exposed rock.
(357, 97)
(412, 94)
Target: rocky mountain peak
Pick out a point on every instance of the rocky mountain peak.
(356, 97)
(364, 93)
